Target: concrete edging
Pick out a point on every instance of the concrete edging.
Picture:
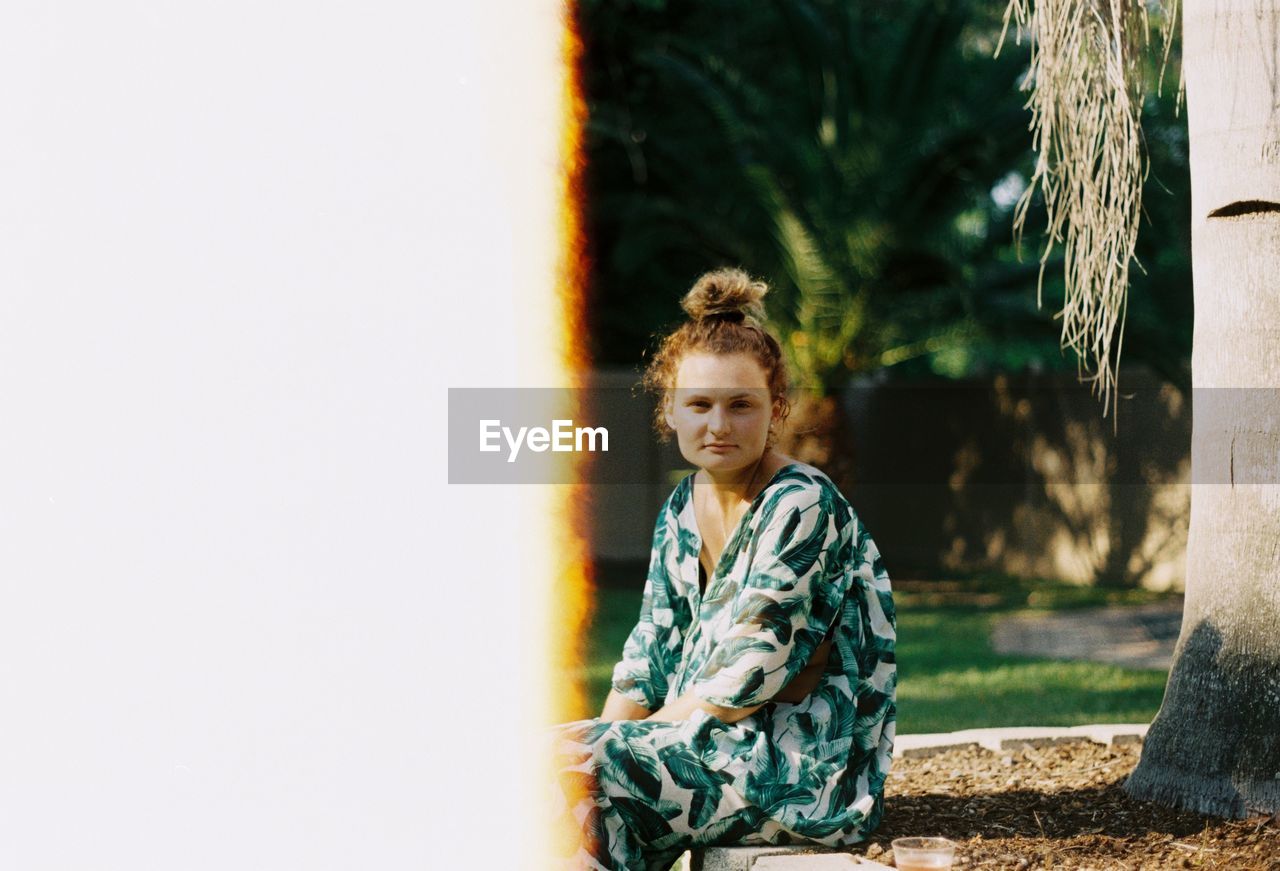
(1015, 737)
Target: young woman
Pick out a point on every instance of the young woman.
(754, 703)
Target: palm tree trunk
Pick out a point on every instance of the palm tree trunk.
(1215, 745)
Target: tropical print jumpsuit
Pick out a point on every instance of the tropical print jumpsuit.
(799, 568)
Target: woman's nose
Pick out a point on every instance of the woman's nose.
(717, 421)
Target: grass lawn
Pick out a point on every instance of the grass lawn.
(948, 676)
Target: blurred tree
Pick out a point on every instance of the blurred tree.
(864, 159)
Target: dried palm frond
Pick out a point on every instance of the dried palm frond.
(1087, 86)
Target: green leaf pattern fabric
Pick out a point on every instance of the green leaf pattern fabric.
(798, 567)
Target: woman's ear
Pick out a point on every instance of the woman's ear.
(668, 411)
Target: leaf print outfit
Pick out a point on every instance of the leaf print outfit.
(798, 567)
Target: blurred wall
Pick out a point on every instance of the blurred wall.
(1019, 475)
(1023, 475)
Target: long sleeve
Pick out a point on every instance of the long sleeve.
(790, 598)
(652, 650)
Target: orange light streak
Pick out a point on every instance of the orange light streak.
(569, 591)
(571, 571)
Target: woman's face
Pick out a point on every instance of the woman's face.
(720, 410)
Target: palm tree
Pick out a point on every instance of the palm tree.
(1214, 745)
(846, 151)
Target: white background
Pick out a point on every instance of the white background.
(244, 250)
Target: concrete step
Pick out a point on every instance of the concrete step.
(1015, 737)
(778, 859)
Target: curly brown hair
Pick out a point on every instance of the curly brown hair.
(726, 316)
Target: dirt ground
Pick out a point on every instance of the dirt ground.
(1059, 807)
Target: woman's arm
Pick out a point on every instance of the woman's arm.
(619, 707)
(652, 650)
(683, 708)
(796, 691)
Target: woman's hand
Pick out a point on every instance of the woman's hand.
(619, 707)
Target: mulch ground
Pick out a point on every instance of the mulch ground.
(1059, 807)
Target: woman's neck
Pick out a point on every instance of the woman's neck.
(729, 490)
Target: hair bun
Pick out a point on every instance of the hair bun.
(730, 294)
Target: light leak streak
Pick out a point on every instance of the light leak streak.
(565, 603)
(570, 593)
